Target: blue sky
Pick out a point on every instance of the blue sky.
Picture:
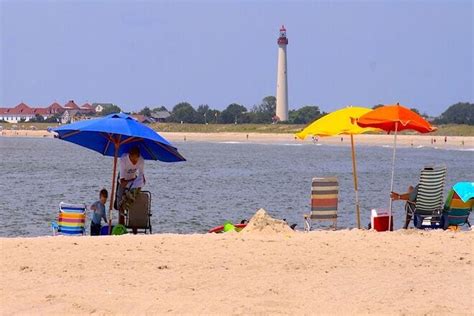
(152, 53)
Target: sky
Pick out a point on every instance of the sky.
(153, 53)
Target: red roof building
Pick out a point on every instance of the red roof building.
(71, 105)
(55, 108)
(22, 112)
(87, 108)
(21, 108)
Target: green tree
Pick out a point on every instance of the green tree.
(263, 112)
(53, 119)
(234, 113)
(415, 110)
(38, 118)
(109, 109)
(184, 112)
(202, 113)
(213, 116)
(459, 113)
(145, 111)
(304, 115)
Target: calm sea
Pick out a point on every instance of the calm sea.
(220, 181)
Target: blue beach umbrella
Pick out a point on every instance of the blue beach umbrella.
(114, 135)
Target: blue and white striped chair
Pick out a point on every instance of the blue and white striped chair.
(71, 220)
(428, 207)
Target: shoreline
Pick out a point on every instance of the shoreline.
(453, 142)
(331, 272)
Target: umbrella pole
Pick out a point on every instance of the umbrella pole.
(393, 173)
(113, 189)
(356, 189)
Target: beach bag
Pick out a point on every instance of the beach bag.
(119, 230)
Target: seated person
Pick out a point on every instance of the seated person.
(409, 196)
(132, 179)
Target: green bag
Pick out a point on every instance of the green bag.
(119, 230)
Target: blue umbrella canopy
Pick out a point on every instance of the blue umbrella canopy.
(115, 134)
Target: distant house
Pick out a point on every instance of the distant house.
(142, 118)
(21, 112)
(87, 108)
(71, 116)
(71, 105)
(160, 116)
(99, 107)
(55, 108)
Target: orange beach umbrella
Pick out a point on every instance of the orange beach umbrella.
(395, 118)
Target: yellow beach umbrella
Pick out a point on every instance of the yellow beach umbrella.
(336, 123)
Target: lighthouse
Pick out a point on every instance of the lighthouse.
(282, 80)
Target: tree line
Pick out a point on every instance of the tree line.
(264, 113)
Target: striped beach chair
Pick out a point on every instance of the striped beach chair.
(428, 207)
(456, 212)
(71, 220)
(324, 198)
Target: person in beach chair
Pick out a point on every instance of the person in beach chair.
(424, 202)
(71, 220)
(131, 180)
(324, 200)
(138, 214)
(456, 211)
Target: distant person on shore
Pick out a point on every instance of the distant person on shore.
(132, 179)
(445, 139)
(98, 213)
(409, 196)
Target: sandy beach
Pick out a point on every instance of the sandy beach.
(348, 271)
(459, 142)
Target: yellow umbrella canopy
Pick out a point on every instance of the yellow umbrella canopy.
(342, 121)
(336, 123)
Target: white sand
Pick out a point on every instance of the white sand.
(262, 223)
(350, 271)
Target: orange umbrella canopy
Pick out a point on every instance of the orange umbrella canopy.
(395, 117)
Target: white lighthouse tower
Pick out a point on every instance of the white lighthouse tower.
(282, 83)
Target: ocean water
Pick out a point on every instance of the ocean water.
(220, 181)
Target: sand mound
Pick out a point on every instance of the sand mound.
(263, 223)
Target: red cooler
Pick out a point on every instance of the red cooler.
(379, 220)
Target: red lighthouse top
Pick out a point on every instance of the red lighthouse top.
(282, 40)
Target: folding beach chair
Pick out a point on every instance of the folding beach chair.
(324, 198)
(456, 212)
(71, 220)
(138, 215)
(427, 210)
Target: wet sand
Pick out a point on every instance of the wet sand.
(457, 142)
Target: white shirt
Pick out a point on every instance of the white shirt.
(129, 171)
